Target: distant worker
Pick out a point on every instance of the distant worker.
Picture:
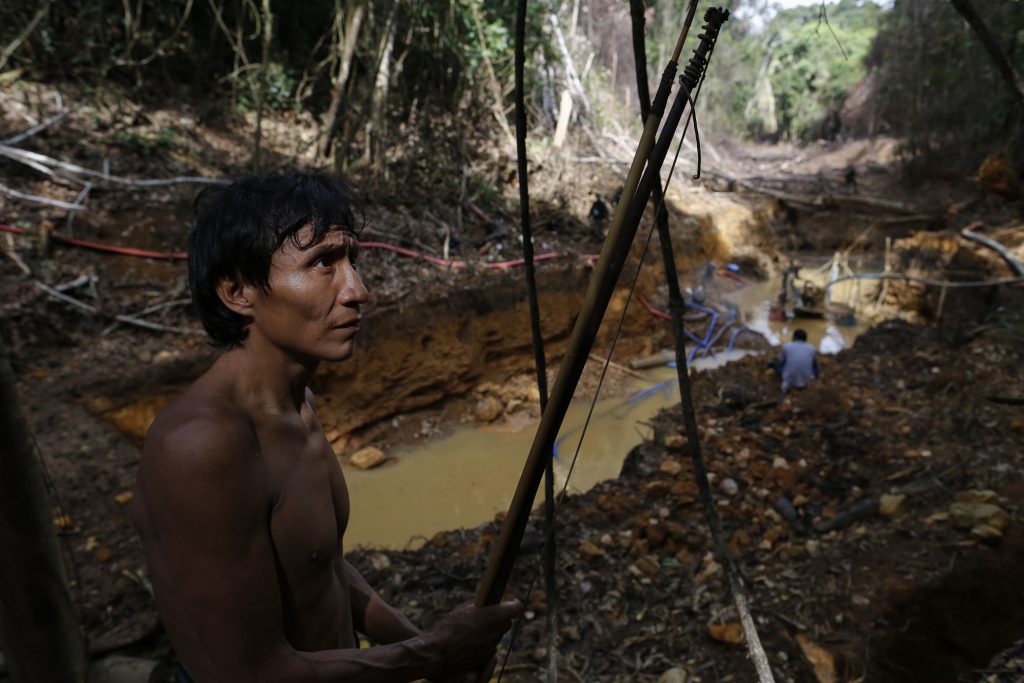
(797, 363)
(790, 296)
(850, 179)
(598, 216)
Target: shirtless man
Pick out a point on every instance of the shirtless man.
(240, 502)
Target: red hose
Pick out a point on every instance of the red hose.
(734, 276)
(181, 256)
(126, 251)
(656, 312)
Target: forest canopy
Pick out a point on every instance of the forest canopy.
(375, 71)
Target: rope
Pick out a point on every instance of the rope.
(590, 411)
(540, 363)
(676, 306)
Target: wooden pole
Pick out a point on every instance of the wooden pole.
(40, 630)
(602, 284)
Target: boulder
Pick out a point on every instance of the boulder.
(891, 506)
(487, 409)
(367, 458)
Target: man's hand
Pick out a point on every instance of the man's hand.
(468, 638)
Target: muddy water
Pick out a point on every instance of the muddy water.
(464, 479)
(755, 301)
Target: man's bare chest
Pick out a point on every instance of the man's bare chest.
(309, 509)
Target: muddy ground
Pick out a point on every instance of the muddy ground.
(839, 507)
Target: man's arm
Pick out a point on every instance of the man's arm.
(374, 618)
(203, 509)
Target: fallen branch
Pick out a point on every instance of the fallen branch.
(821, 200)
(127, 319)
(24, 156)
(147, 311)
(617, 366)
(7, 246)
(59, 116)
(40, 200)
(1007, 400)
(925, 281)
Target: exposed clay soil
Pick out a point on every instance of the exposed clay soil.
(905, 597)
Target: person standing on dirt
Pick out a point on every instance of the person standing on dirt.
(797, 363)
(240, 503)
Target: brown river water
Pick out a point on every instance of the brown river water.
(465, 478)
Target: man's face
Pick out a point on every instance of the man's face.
(312, 306)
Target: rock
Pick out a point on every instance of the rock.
(675, 441)
(729, 487)
(780, 463)
(367, 458)
(487, 409)
(936, 517)
(165, 356)
(673, 676)
(730, 634)
(821, 660)
(977, 496)
(969, 515)
(648, 565)
(655, 532)
(986, 532)
(380, 561)
(891, 506)
(671, 467)
(120, 669)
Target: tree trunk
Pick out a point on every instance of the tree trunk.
(377, 125)
(40, 632)
(347, 40)
(1003, 65)
(261, 91)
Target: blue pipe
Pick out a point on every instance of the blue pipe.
(701, 343)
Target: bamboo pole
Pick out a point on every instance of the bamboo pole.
(689, 415)
(602, 284)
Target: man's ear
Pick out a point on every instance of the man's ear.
(236, 294)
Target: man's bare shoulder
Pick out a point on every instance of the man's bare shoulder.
(199, 431)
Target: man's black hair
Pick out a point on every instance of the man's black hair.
(799, 335)
(239, 226)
